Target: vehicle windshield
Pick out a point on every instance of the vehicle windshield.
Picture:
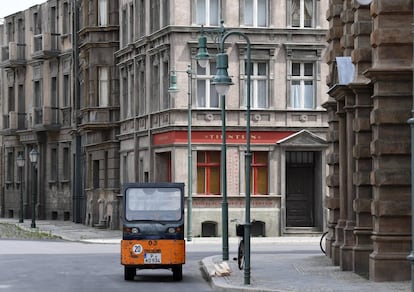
(155, 204)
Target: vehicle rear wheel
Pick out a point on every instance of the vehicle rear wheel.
(129, 273)
(177, 273)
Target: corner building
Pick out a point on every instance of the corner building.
(288, 123)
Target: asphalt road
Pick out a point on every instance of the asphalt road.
(40, 266)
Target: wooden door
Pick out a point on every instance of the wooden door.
(299, 195)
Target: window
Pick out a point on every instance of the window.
(37, 24)
(37, 94)
(255, 13)
(208, 172)
(258, 86)
(124, 92)
(302, 89)
(131, 23)
(155, 15)
(10, 166)
(259, 173)
(207, 96)
(130, 89)
(102, 12)
(66, 163)
(103, 76)
(124, 28)
(106, 155)
(302, 13)
(141, 89)
(155, 84)
(11, 99)
(165, 97)
(53, 165)
(207, 12)
(95, 174)
(10, 31)
(141, 18)
(54, 99)
(65, 18)
(66, 90)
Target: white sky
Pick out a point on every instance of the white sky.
(12, 6)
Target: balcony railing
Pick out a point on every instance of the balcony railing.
(14, 121)
(45, 116)
(45, 45)
(13, 52)
(99, 116)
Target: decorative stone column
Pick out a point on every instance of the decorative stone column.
(362, 87)
(391, 75)
(342, 256)
(336, 219)
(332, 181)
(361, 179)
(348, 172)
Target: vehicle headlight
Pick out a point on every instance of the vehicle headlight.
(134, 230)
(171, 230)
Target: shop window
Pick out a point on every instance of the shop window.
(208, 172)
(259, 173)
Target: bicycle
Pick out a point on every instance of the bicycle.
(322, 242)
(240, 249)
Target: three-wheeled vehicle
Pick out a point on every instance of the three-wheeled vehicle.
(153, 228)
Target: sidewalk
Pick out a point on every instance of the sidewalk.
(296, 269)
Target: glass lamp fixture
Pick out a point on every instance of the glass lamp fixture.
(33, 155)
(202, 55)
(20, 160)
(173, 89)
(221, 80)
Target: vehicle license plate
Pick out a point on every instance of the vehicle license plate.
(152, 258)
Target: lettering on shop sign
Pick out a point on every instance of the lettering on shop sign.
(256, 203)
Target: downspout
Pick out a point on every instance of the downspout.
(77, 193)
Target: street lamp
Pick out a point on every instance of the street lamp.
(173, 90)
(222, 81)
(33, 155)
(20, 165)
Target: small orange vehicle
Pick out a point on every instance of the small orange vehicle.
(153, 228)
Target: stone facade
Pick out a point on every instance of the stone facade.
(369, 181)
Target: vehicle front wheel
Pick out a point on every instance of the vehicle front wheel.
(177, 273)
(129, 273)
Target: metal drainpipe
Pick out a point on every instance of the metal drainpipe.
(77, 185)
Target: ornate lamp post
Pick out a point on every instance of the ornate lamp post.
(173, 90)
(20, 165)
(222, 81)
(33, 155)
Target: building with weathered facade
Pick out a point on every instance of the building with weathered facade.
(288, 124)
(60, 97)
(36, 90)
(369, 182)
(98, 112)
